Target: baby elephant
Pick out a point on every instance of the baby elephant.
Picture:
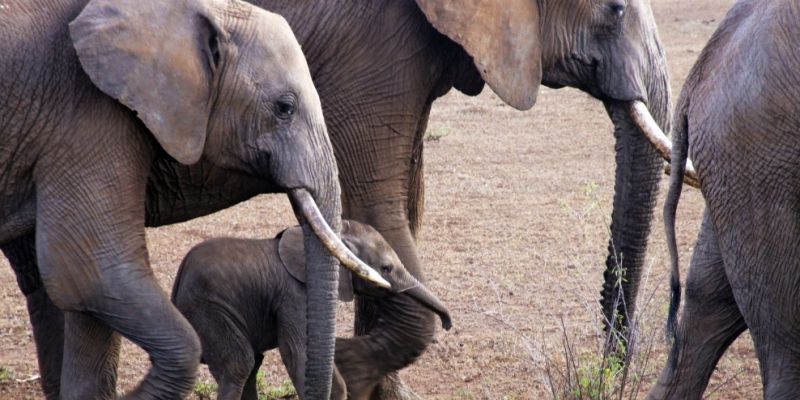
(244, 297)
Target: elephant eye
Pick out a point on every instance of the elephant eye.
(616, 7)
(285, 107)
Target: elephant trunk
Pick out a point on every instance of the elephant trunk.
(424, 296)
(321, 301)
(401, 334)
(637, 177)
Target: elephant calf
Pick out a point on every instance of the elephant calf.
(247, 296)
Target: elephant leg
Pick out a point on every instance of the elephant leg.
(230, 360)
(758, 236)
(231, 388)
(711, 321)
(250, 391)
(292, 349)
(292, 342)
(393, 388)
(775, 329)
(89, 345)
(772, 310)
(93, 260)
(47, 321)
(141, 312)
(339, 387)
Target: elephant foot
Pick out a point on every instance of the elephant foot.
(393, 388)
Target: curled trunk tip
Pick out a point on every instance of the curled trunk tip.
(425, 297)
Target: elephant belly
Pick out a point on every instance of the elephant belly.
(265, 337)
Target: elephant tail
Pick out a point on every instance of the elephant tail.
(680, 144)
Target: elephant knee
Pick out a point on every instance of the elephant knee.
(68, 291)
(708, 289)
(179, 367)
(695, 291)
(66, 300)
(187, 356)
(177, 354)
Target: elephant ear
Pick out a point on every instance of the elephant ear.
(503, 38)
(157, 59)
(292, 254)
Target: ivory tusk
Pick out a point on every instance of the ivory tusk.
(642, 118)
(687, 179)
(331, 241)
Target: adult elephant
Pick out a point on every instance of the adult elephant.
(379, 65)
(93, 93)
(739, 117)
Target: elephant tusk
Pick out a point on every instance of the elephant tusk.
(648, 126)
(689, 178)
(331, 241)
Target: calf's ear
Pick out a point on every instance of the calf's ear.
(292, 254)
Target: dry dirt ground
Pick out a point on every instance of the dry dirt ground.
(513, 241)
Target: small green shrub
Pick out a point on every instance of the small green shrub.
(5, 374)
(464, 394)
(205, 390)
(285, 390)
(597, 379)
(434, 134)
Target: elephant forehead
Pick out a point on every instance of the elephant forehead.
(274, 40)
(372, 247)
(382, 253)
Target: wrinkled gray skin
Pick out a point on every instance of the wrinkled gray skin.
(245, 297)
(739, 116)
(378, 66)
(86, 110)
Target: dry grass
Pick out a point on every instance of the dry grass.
(513, 241)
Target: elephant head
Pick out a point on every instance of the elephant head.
(607, 48)
(229, 82)
(371, 247)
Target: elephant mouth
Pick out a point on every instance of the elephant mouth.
(588, 74)
(641, 117)
(308, 210)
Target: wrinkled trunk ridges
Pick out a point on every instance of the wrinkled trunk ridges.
(323, 276)
(401, 335)
(639, 171)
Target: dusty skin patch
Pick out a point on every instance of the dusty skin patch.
(513, 241)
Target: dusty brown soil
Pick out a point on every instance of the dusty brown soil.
(514, 238)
